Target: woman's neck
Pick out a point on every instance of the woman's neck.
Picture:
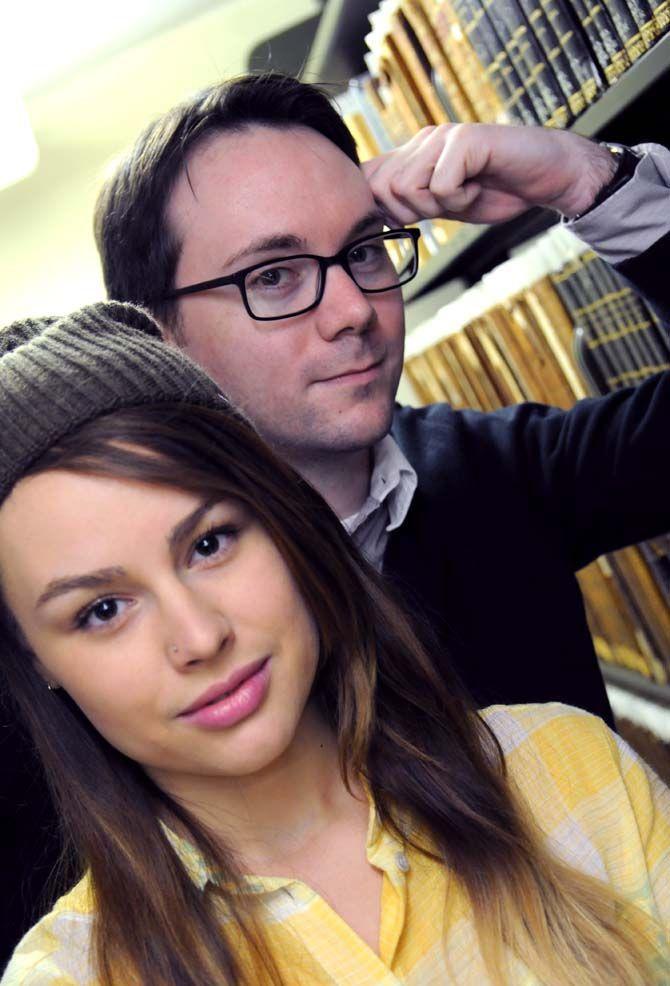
(274, 817)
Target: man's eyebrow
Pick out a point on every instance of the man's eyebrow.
(280, 241)
(375, 217)
(91, 580)
(289, 241)
(103, 577)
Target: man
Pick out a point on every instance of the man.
(508, 505)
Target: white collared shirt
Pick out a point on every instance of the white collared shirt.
(392, 486)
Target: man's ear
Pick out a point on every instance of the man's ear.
(172, 331)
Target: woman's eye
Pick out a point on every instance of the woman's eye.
(215, 543)
(102, 612)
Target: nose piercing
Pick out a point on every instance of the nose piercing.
(174, 649)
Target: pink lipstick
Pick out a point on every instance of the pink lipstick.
(224, 704)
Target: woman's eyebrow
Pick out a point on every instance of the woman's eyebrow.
(182, 530)
(90, 580)
(104, 576)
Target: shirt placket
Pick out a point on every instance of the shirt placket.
(391, 858)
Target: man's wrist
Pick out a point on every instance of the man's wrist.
(623, 162)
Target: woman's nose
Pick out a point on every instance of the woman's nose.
(196, 629)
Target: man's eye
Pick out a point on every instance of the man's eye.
(272, 277)
(366, 253)
(102, 612)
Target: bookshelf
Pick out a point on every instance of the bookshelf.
(476, 249)
(337, 54)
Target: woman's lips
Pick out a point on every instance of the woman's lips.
(238, 703)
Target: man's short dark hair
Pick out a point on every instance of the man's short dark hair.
(138, 249)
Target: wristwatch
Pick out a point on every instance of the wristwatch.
(627, 161)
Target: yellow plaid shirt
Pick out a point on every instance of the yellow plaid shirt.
(601, 808)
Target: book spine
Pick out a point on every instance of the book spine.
(417, 69)
(395, 122)
(569, 38)
(599, 31)
(652, 355)
(647, 24)
(405, 95)
(446, 82)
(495, 60)
(521, 45)
(618, 328)
(375, 96)
(607, 322)
(626, 28)
(661, 14)
(359, 88)
(443, 373)
(555, 55)
(570, 291)
(466, 65)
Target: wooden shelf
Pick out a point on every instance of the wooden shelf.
(626, 90)
(475, 249)
(636, 684)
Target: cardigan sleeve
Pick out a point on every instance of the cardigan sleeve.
(598, 474)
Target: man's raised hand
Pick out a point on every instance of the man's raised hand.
(485, 173)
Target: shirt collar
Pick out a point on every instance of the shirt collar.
(393, 482)
(380, 844)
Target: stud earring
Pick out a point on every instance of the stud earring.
(52, 686)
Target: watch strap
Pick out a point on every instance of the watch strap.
(627, 161)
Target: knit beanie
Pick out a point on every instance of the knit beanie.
(58, 373)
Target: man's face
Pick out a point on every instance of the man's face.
(319, 382)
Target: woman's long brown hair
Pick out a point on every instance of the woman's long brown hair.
(407, 730)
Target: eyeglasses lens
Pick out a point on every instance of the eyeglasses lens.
(383, 262)
(285, 287)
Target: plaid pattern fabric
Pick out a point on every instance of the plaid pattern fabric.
(600, 808)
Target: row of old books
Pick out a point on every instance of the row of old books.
(552, 325)
(495, 61)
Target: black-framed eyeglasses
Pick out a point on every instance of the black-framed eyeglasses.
(287, 286)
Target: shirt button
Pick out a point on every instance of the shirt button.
(402, 862)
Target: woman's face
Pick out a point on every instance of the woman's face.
(144, 602)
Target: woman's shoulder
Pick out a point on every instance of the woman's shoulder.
(56, 950)
(572, 769)
(573, 746)
(515, 725)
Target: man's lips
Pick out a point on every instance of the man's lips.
(351, 371)
(221, 688)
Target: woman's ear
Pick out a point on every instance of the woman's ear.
(49, 681)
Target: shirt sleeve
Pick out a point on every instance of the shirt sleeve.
(649, 799)
(603, 810)
(636, 216)
(55, 952)
(30, 969)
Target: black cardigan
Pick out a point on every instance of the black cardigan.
(509, 506)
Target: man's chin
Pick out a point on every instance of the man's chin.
(361, 428)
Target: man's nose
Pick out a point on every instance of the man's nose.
(344, 308)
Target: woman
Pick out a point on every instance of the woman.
(263, 777)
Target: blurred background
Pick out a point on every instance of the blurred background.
(78, 80)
